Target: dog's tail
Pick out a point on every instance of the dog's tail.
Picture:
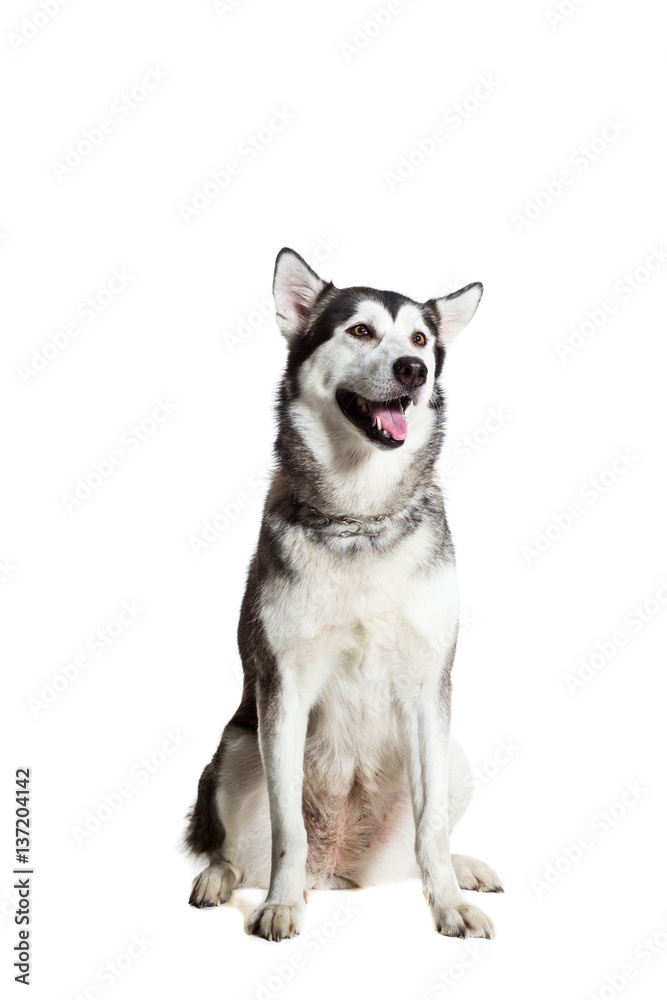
(205, 832)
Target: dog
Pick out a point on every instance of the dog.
(337, 769)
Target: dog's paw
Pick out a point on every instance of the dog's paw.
(475, 875)
(275, 921)
(213, 886)
(464, 921)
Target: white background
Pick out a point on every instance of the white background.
(359, 102)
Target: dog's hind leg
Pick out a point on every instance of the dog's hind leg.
(476, 875)
(470, 873)
(230, 821)
(392, 854)
(206, 835)
(215, 884)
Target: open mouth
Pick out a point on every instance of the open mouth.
(382, 421)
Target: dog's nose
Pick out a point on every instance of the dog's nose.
(410, 371)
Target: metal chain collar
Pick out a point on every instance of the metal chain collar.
(355, 524)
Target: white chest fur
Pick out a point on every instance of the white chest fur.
(375, 618)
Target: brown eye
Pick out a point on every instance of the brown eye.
(419, 339)
(360, 330)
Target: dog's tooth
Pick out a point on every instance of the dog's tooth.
(378, 423)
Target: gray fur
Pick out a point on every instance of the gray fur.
(337, 768)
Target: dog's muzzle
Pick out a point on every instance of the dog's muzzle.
(383, 421)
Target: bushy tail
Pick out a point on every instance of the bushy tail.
(206, 833)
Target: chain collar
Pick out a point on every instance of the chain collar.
(354, 526)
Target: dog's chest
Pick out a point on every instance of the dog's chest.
(338, 603)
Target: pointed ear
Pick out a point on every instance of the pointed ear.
(455, 311)
(296, 289)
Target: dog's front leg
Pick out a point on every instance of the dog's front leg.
(425, 716)
(283, 720)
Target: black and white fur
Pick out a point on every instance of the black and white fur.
(337, 769)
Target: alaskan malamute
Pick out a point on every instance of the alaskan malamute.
(337, 769)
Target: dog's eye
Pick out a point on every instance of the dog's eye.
(360, 330)
(419, 339)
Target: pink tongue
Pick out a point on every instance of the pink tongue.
(391, 417)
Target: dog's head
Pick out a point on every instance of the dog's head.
(363, 364)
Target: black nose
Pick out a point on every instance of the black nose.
(410, 371)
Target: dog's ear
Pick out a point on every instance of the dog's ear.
(455, 311)
(296, 289)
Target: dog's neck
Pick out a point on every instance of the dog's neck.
(343, 526)
(354, 482)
